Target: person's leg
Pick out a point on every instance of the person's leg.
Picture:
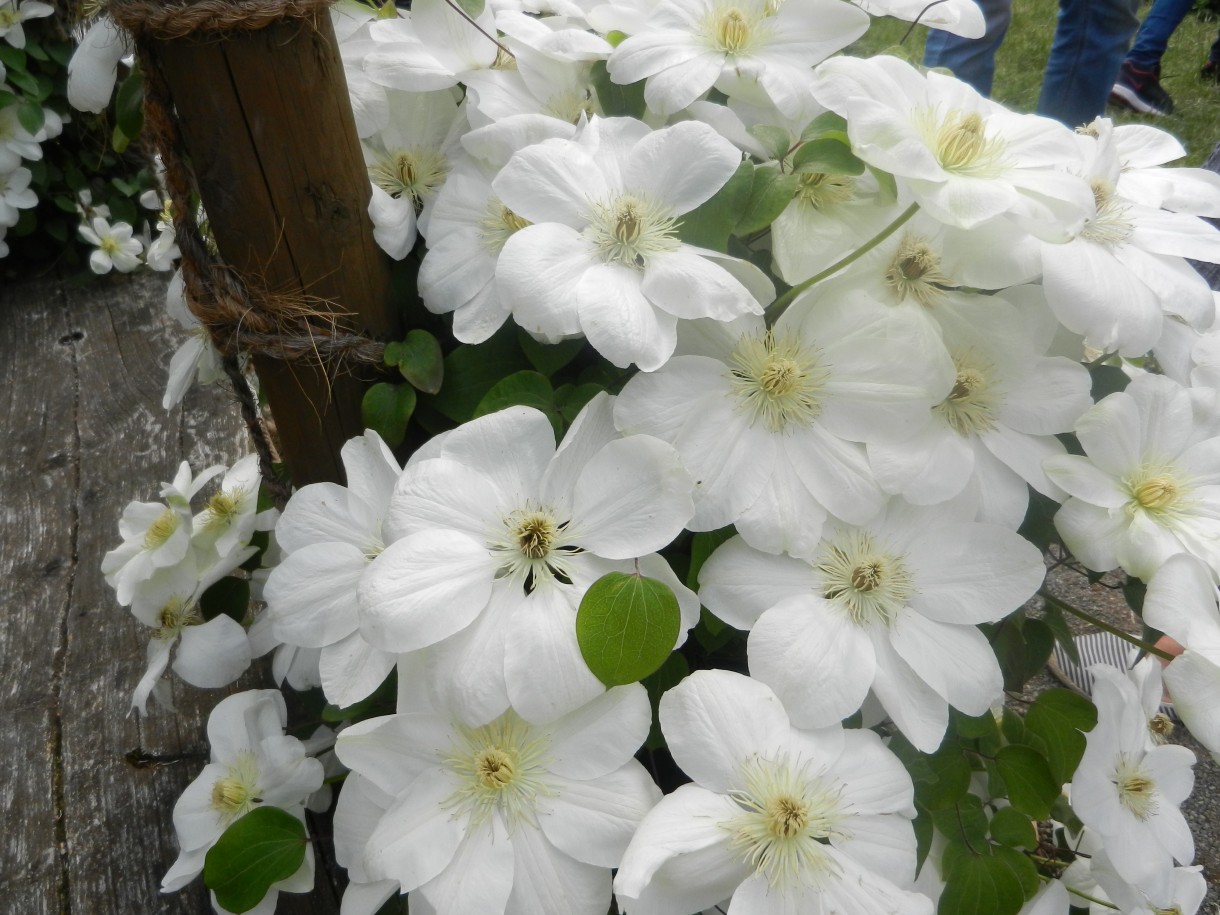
(1153, 36)
(1091, 38)
(972, 60)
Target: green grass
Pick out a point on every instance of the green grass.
(1022, 58)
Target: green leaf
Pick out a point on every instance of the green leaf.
(528, 389)
(1022, 867)
(980, 885)
(264, 847)
(702, 545)
(570, 399)
(667, 676)
(948, 781)
(710, 224)
(549, 358)
(31, 116)
(924, 830)
(14, 60)
(617, 100)
(1058, 717)
(1054, 618)
(825, 124)
(828, 157)
(386, 409)
(1107, 380)
(34, 49)
(419, 359)
(471, 370)
(230, 596)
(964, 822)
(1032, 788)
(971, 728)
(1038, 527)
(129, 105)
(770, 193)
(626, 627)
(1012, 828)
(1133, 592)
(472, 8)
(26, 82)
(119, 141)
(1063, 813)
(775, 140)
(1022, 647)
(7, 98)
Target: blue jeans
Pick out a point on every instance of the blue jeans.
(1153, 36)
(1091, 38)
(971, 60)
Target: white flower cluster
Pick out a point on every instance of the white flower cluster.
(17, 143)
(871, 434)
(170, 556)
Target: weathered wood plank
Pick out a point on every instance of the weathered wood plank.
(81, 828)
(36, 552)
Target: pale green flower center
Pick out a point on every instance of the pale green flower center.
(532, 547)
(820, 190)
(630, 229)
(109, 245)
(237, 792)
(1112, 224)
(500, 766)
(970, 408)
(571, 106)
(1136, 789)
(914, 272)
(498, 225)
(789, 814)
(175, 616)
(732, 31)
(960, 143)
(9, 18)
(162, 529)
(223, 508)
(1159, 491)
(413, 173)
(868, 581)
(777, 379)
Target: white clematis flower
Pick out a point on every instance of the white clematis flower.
(15, 194)
(964, 158)
(602, 257)
(780, 819)
(1182, 602)
(748, 49)
(505, 818)
(329, 535)
(890, 606)
(116, 248)
(94, 66)
(1128, 792)
(768, 420)
(1149, 486)
(253, 764)
(14, 12)
(501, 534)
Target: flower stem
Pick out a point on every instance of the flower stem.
(777, 308)
(1103, 625)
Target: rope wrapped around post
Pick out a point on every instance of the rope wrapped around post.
(245, 311)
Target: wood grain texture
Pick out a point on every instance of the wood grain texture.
(282, 177)
(82, 829)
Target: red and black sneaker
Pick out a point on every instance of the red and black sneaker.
(1140, 90)
(1210, 71)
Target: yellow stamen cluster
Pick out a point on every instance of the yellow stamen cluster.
(820, 190)
(914, 272)
(777, 380)
(162, 529)
(413, 173)
(499, 767)
(973, 402)
(868, 581)
(959, 141)
(1112, 223)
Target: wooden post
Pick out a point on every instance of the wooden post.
(267, 122)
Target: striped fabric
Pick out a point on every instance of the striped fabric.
(1096, 648)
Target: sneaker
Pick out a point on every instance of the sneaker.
(1140, 90)
(1210, 71)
